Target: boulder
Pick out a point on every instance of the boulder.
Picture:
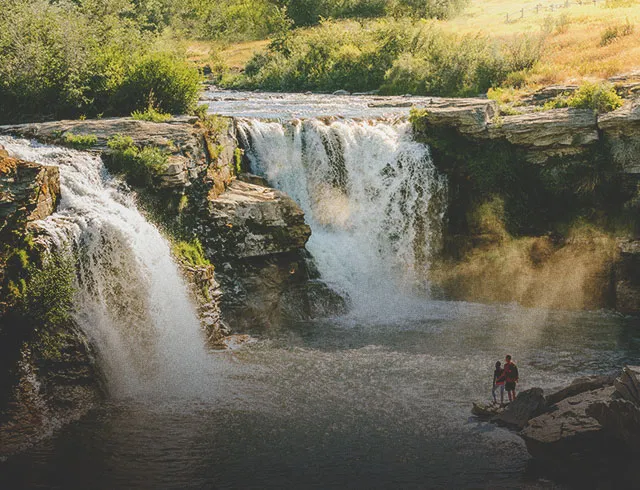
(580, 385)
(567, 432)
(620, 418)
(468, 116)
(28, 191)
(529, 403)
(250, 220)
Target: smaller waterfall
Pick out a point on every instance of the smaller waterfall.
(371, 194)
(131, 300)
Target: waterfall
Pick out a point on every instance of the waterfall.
(130, 298)
(371, 195)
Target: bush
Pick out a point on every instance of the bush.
(140, 166)
(79, 141)
(172, 83)
(151, 114)
(396, 56)
(612, 33)
(601, 97)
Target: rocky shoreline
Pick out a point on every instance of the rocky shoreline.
(596, 418)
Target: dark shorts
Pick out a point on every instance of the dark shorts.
(510, 385)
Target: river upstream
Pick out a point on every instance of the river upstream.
(377, 398)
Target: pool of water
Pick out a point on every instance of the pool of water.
(351, 402)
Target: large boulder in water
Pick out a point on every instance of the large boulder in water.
(528, 404)
(580, 385)
(566, 431)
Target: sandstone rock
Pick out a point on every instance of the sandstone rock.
(620, 418)
(28, 191)
(580, 385)
(249, 220)
(529, 403)
(175, 174)
(566, 431)
(557, 132)
(621, 129)
(468, 116)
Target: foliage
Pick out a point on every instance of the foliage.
(79, 141)
(168, 82)
(49, 297)
(426, 9)
(190, 252)
(65, 59)
(151, 114)
(601, 97)
(140, 166)
(397, 56)
(612, 33)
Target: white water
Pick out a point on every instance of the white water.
(131, 300)
(371, 194)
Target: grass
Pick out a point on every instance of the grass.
(574, 49)
(79, 141)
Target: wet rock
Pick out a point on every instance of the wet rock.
(249, 220)
(627, 276)
(566, 431)
(528, 403)
(578, 386)
(28, 191)
(341, 92)
(621, 129)
(253, 179)
(620, 419)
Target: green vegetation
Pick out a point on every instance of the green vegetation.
(151, 114)
(48, 301)
(612, 33)
(601, 97)
(396, 56)
(79, 141)
(140, 165)
(190, 252)
(66, 59)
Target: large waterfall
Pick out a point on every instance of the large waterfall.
(131, 300)
(371, 194)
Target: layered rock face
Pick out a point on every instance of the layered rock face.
(548, 170)
(28, 191)
(256, 236)
(47, 376)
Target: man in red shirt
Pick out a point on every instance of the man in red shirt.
(511, 378)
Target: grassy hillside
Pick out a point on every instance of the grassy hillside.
(578, 42)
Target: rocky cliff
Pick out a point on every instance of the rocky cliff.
(546, 186)
(47, 374)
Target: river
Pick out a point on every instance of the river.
(377, 398)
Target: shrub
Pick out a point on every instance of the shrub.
(79, 141)
(601, 97)
(191, 253)
(612, 33)
(140, 166)
(151, 114)
(170, 82)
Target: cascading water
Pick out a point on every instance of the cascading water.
(131, 300)
(371, 194)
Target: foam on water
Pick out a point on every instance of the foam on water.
(131, 299)
(371, 194)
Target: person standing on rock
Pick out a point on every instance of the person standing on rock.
(511, 378)
(498, 382)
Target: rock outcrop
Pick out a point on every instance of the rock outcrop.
(28, 191)
(47, 375)
(596, 418)
(589, 424)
